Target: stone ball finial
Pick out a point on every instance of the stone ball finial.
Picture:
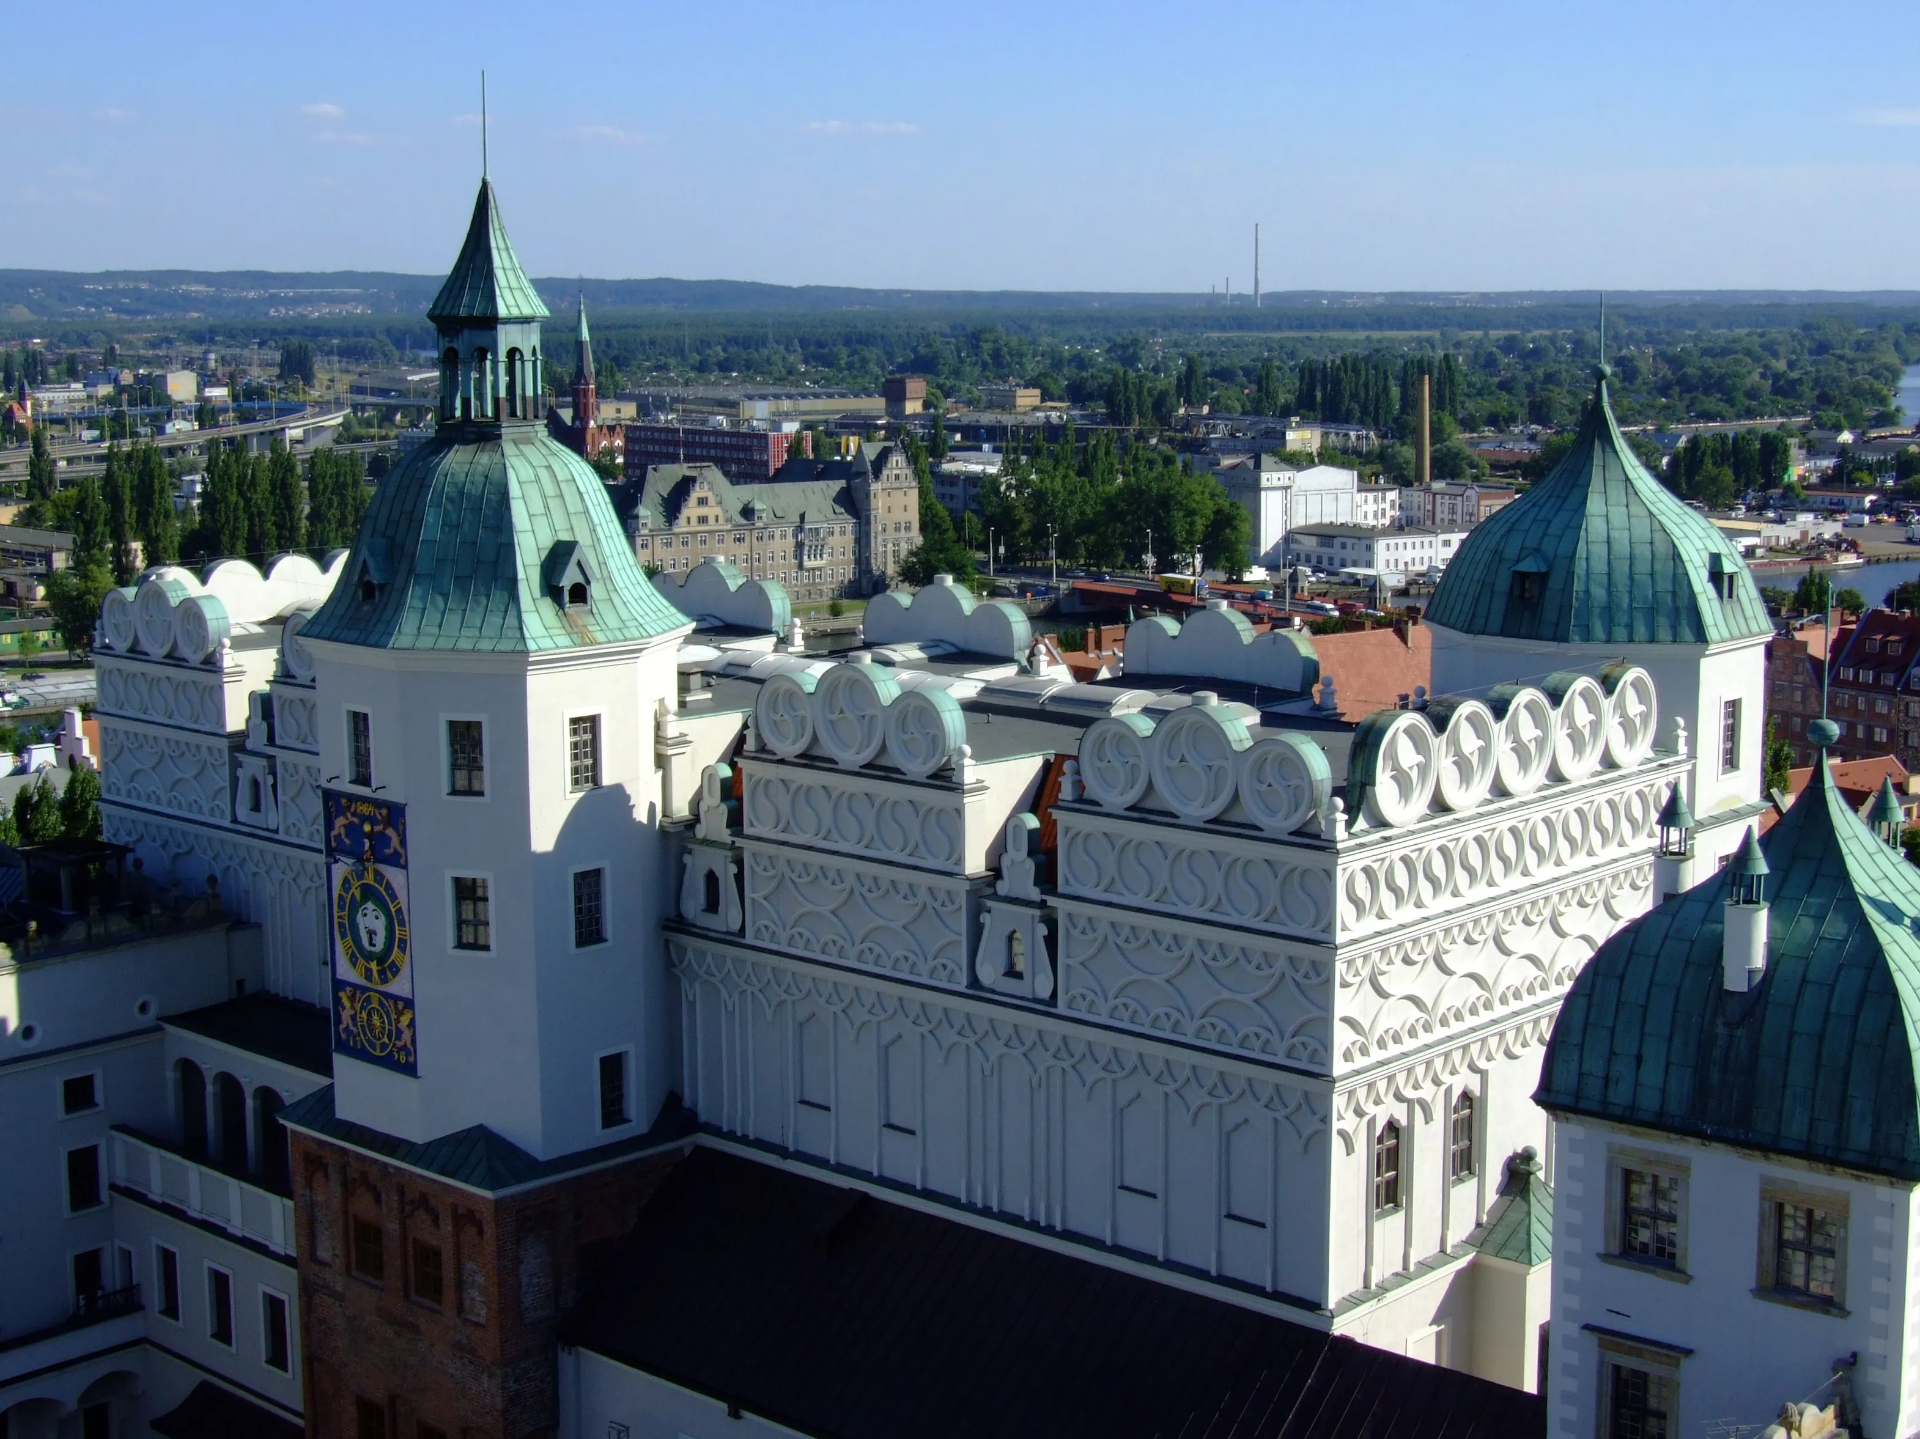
(1603, 371)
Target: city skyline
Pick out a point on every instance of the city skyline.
(1402, 149)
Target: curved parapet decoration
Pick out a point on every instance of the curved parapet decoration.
(117, 629)
(850, 713)
(292, 582)
(1218, 643)
(945, 612)
(720, 594)
(153, 614)
(296, 659)
(200, 623)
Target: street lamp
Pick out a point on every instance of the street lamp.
(1053, 560)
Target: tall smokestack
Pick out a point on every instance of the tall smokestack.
(1256, 264)
(1423, 438)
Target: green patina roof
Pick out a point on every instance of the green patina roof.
(486, 282)
(1519, 1225)
(1621, 559)
(829, 497)
(459, 539)
(1817, 1061)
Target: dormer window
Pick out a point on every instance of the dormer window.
(568, 579)
(370, 569)
(1528, 585)
(1722, 574)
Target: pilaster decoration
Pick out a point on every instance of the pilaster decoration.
(850, 816)
(1575, 832)
(1417, 989)
(710, 881)
(301, 820)
(996, 1040)
(673, 754)
(165, 771)
(294, 717)
(1020, 859)
(858, 914)
(1419, 1082)
(1213, 988)
(1207, 876)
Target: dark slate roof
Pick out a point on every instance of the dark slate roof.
(815, 493)
(210, 1409)
(476, 1156)
(1625, 561)
(283, 1030)
(1817, 1061)
(832, 1312)
(1519, 1224)
(458, 537)
(486, 282)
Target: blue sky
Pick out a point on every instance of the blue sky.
(1119, 146)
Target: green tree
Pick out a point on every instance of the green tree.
(27, 646)
(1813, 595)
(80, 804)
(155, 521)
(36, 811)
(117, 492)
(1903, 596)
(74, 596)
(256, 499)
(285, 500)
(92, 533)
(296, 361)
(1267, 398)
(1779, 760)
(40, 471)
(940, 550)
(1850, 602)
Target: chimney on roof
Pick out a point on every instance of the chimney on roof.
(1673, 859)
(1743, 945)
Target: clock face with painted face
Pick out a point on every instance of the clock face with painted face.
(370, 924)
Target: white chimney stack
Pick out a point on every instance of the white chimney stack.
(1743, 951)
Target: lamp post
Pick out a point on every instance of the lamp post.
(1053, 560)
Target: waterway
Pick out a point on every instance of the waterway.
(1907, 394)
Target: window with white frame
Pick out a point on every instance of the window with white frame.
(589, 907)
(276, 1347)
(583, 752)
(360, 748)
(1647, 1217)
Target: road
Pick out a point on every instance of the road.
(306, 419)
(57, 690)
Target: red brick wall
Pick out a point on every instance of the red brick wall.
(481, 1362)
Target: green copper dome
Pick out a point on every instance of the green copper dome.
(1817, 1061)
(486, 282)
(475, 541)
(1599, 552)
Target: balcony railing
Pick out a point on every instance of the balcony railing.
(231, 1202)
(106, 1304)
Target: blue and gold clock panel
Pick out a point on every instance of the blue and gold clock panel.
(370, 924)
(374, 1026)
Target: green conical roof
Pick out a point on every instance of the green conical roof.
(1817, 1061)
(1519, 1225)
(1608, 555)
(486, 282)
(467, 546)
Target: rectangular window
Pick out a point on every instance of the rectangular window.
(275, 1349)
(83, 1179)
(1729, 736)
(472, 915)
(360, 748)
(1386, 1169)
(1460, 1139)
(1806, 1250)
(429, 1276)
(1640, 1404)
(369, 1250)
(466, 758)
(583, 752)
(166, 1281)
(89, 1276)
(79, 1094)
(1650, 1217)
(589, 908)
(220, 1306)
(369, 1419)
(613, 1090)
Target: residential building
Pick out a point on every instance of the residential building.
(179, 387)
(904, 395)
(1454, 506)
(1795, 673)
(53, 399)
(957, 478)
(1872, 692)
(802, 405)
(1411, 550)
(1863, 783)
(741, 454)
(1379, 506)
(1736, 1144)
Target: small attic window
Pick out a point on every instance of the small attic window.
(569, 581)
(1528, 585)
(1720, 572)
(370, 571)
(577, 595)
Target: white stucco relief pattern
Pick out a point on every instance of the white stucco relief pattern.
(1419, 1082)
(168, 772)
(293, 721)
(152, 692)
(917, 828)
(854, 914)
(1207, 989)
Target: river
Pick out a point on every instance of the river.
(1907, 394)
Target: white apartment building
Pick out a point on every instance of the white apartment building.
(1279, 499)
(1410, 550)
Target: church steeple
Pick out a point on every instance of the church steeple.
(586, 399)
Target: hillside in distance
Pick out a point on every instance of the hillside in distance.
(66, 299)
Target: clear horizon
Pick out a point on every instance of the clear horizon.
(1125, 147)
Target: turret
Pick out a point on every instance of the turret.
(1887, 819)
(488, 316)
(1743, 952)
(1673, 860)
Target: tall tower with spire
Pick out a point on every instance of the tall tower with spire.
(586, 399)
(490, 668)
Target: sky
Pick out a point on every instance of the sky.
(1120, 146)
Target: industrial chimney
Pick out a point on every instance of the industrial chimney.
(1256, 264)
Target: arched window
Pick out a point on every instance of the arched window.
(577, 595)
(713, 892)
(482, 385)
(449, 381)
(192, 1085)
(514, 385)
(1386, 1168)
(275, 1167)
(1460, 1139)
(230, 1106)
(1016, 955)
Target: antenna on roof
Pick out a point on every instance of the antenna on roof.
(1603, 327)
(483, 124)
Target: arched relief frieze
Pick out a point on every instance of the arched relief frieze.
(1449, 869)
(995, 1041)
(1237, 996)
(889, 922)
(1447, 980)
(180, 698)
(1418, 1084)
(922, 828)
